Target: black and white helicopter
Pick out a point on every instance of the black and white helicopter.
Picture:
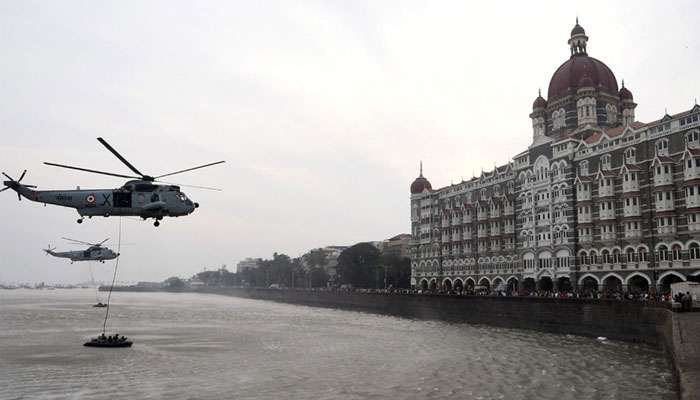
(142, 197)
(96, 252)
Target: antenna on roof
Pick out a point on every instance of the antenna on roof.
(421, 168)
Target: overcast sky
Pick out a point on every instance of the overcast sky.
(321, 109)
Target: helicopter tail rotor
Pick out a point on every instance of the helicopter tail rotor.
(15, 184)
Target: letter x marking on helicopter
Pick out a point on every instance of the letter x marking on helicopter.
(106, 198)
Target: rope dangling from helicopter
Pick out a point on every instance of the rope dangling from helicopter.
(114, 277)
(92, 282)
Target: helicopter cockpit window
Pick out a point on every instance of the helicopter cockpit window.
(181, 196)
(145, 187)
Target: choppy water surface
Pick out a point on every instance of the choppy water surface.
(191, 346)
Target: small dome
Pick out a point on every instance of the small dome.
(578, 30)
(625, 94)
(420, 184)
(540, 102)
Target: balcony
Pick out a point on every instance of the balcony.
(631, 211)
(667, 230)
(692, 172)
(607, 236)
(508, 229)
(584, 217)
(482, 215)
(664, 205)
(495, 213)
(694, 226)
(495, 231)
(483, 233)
(467, 234)
(663, 178)
(467, 218)
(585, 238)
(544, 242)
(693, 201)
(606, 214)
(583, 195)
(456, 237)
(508, 210)
(606, 191)
(445, 222)
(633, 233)
(445, 238)
(629, 185)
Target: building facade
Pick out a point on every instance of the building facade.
(248, 264)
(597, 201)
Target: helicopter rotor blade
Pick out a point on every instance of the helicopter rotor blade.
(119, 156)
(77, 241)
(8, 177)
(102, 242)
(92, 171)
(191, 169)
(192, 186)
(22, 176)
(2, 190)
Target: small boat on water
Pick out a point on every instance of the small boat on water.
(99, 304)
(109, 341)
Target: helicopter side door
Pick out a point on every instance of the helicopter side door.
(122, 199)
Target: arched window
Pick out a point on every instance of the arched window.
(629, 255)
(662, 147)
(630, 155)
(605, 162)
(643, 257)
(676, 252)
(663, 253)
(694, 251)
(583, 168)
(558, 119)
(611, 112)
(605, 254)
(692, 139)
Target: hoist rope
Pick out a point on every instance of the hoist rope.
(114, 277)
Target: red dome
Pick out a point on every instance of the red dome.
(586, 81)
(625, 94)
(567, 79)
(578, 29)
(540, 102)
(420, 184)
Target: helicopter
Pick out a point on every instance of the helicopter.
(96, 252)
(141, 197)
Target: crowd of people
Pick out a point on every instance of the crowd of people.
(586, 293)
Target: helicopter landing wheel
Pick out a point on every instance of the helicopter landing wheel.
(80, 220)
(156, 224)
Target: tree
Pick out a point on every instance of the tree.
(358, 266)
(397, 271)
(174, 283)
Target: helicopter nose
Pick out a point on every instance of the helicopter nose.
(196, 205)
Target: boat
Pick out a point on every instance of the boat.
(99, 304)
(102, 341)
